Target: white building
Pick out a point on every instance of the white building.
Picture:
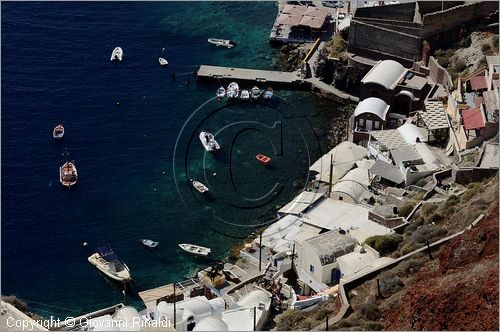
(316, 262)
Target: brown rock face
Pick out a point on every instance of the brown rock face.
(461, 293)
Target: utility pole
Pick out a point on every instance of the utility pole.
(255, 318)
(429, 249)
(260, 252)
(175, 312)
(331, 176)
(326, 329)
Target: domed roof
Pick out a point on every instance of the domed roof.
(386, 73)
(211, 324)
(374, 106)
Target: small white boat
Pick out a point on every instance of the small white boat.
(209, 142)
(233, 90)
(106, 261)
(117, 54)
(194, 249)
(58, 132)
(199, 186)
(269, 93)
(68, 176)
(255, 92)
(221, 93)
(163, 61)
(222, 42)
(149, 243)
(245, 95)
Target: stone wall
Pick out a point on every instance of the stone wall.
(448, 19)
(399, 12)
(464, 176)
(380, 43)
(387, 222)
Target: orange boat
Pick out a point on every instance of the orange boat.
(265, 160)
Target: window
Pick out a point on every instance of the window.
(341, 198)
(311, 268)
(376, 125)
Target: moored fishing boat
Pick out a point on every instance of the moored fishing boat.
(149, 243)
(163, 61)
(221, 93)
(268, 94)
(222, 42)
(194, 249)
(68, 175)
(255, 92)
(233, 90)
(263, 159)
(58, 132)
(106, 261)
(245, 95)
(200, 187)
(209, 142)
(117, 54)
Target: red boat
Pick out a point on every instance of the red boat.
(265, 160)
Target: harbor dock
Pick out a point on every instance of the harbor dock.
(290, 79)
(254, 75)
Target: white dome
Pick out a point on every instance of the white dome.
(211, 324)
(374, 106)
(386, 73)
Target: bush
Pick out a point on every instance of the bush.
(338, 46)
(459, 65)
(290, 320)
(373, 326)
(390, 286)
(486, 48)
(411, 265)
(409, 247)
(429, 233)
(421, 183)
(370, 311)
(322, 313)
(472, 190)
(435, 218)
(427, 209)
(384, 244)
(406, 208)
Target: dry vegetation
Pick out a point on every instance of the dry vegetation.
(305, 320)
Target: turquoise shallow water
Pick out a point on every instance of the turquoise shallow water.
(134, 161)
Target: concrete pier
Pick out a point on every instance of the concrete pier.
(291, 79)
(253, 75)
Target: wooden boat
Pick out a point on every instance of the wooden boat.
(195, 250)
(117, 54)
(163, 61)
(58, 132)
(200, 187)
(209, 142)
(149, 243)
(106, 261)
(233, 90)
(263, 159)
(68, 176)
(221, 93)
(222, 42)
(255, 92)
(245, 95)
(268, 94)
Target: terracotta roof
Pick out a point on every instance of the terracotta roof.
(478, 83)
(473, 118)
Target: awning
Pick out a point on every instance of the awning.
(473, 118)
(312, 22)
(294, 10)
(288, 19)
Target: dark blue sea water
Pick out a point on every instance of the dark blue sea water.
(135, 160)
